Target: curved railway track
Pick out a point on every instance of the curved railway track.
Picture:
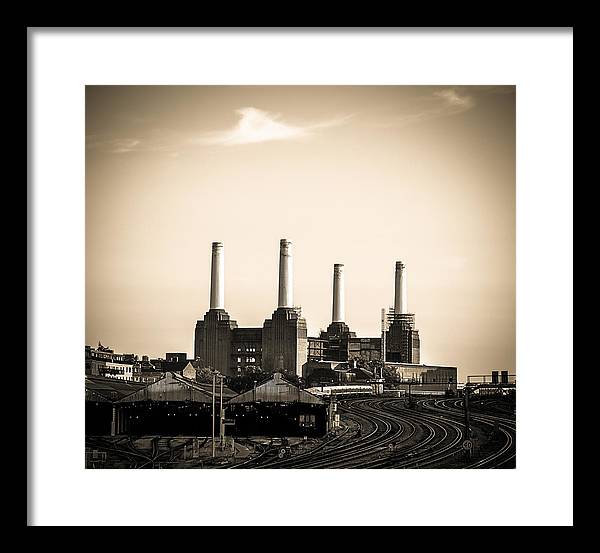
(127, 452)
(378, 432)
(383, 433)
(505, 456)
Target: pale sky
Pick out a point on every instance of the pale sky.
(359, 175)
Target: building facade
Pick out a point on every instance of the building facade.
(277, 408)
(280, 345)
(424, 378)
(103, 361)
(339, 343)
(402, 339)
(285, 342)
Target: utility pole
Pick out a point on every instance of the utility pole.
(214, 385)
(467, 421)
(332, 410)
(383, 345)
(221, 412)
(113, 424)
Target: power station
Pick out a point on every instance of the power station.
(399, 338)
(282, 344)
(402, 339)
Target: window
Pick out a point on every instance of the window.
(306, 421)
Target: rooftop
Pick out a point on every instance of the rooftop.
(276, 390)
(174, 387)
(99, 388)
(420, 365)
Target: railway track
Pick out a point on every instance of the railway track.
(379, 432)
(383, 433)
(505, 456)
(376, 431)
(127, 452)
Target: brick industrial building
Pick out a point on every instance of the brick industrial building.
(339, 343)
(281, 343)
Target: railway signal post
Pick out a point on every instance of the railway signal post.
(467, 444)
(214, 392)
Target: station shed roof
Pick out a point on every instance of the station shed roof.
(228, 393)
(174, 387)
(102, 389)
(418, 365)
(276, 390)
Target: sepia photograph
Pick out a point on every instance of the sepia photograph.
(296, 277)
(272, 265)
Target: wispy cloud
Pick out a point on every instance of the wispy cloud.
(441, 103)
(124, 145)
(158, 140)
(255, 125)
(454, 101)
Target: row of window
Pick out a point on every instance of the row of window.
(306, 421)
(248, 368)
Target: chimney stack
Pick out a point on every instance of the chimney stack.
(400, 303)
(217, 277)
(286, 281)
(339, 314)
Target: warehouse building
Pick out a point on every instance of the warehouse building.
(333, 373)
(171, 406)
(277, 408)
(425, 379)
(100, 395)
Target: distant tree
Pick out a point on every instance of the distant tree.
(240, 383)
(204, 374)
(375, 366)
(389, 374)
(294, 379)
(245, 381)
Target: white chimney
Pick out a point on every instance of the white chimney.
(217, 277)
(338, 315)
(400, 301)
(286, 281)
